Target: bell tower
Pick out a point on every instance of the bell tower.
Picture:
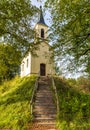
(41, 28)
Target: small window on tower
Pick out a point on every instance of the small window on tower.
(42, 33)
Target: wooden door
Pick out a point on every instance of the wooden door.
(42, 69)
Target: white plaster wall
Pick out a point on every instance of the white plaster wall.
(26, 70)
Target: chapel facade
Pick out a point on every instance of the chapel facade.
(42, 64)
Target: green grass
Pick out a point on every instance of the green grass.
(74, 105)
(15, 98)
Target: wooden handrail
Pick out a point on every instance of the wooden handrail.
(33, 95)
(56, 95)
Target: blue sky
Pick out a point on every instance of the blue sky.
(38, 2)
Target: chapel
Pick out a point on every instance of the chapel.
(42, 64)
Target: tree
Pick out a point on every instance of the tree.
(9, 61)
(71, 31)
(16, 22)
(16, 17)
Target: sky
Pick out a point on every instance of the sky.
(38, 2)
(46, 14)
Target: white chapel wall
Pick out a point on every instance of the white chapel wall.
(26, 65)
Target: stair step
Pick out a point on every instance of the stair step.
(44, 98)
(46, 115)
(44, 89)
(42, 127)
(38, 119)
(44, 101)
(44, 110)
(47, 107)
(46, 123)
(44, 93)
(44, 104)
(43, 85)
(36, 113)
(41, 101)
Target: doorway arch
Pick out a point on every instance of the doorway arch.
(42, 69)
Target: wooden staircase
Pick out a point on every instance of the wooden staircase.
(44, 107)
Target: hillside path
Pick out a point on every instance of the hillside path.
(44, 107)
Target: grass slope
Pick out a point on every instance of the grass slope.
(74, 107)
(15, 98)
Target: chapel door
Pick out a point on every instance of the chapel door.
(42, 69)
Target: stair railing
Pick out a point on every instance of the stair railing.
(56, 95)
(33, 95)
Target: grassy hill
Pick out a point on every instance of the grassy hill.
(15, 98)
(74, 104)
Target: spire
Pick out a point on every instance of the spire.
(41, 21)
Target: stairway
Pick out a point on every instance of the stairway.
(44, 107)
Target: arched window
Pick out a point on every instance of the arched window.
(27, 63)
(42, 33)
(23, 66)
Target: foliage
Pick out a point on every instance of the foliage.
(9, 61)
(70, 31)
(15, 22)
(15, 98)
(74, 105)
(57, 69)
(16, 17)
(81, 84)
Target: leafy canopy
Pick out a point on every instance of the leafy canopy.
(16, 22)
(71, 30)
